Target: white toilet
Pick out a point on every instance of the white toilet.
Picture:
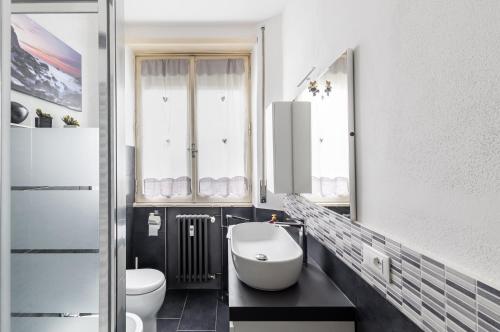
(145, 295)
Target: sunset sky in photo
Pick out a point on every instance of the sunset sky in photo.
(43, 45)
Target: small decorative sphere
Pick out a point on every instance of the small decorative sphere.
(18, 113)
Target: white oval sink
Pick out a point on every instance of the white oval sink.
(265, 256)
(133, 323)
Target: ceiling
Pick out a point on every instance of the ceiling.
(201, 11)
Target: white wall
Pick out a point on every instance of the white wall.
(129, 97)
(273, 92)
(427, 116)
(161, 34)
(79, 31)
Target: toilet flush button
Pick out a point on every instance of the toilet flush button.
(377, 262)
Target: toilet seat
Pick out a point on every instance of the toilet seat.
(143, 281)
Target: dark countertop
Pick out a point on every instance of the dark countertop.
(313, 298)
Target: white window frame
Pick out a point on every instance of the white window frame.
(195, 198)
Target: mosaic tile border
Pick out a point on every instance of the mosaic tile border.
(435, 297)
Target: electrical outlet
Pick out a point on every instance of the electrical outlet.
(377, 262)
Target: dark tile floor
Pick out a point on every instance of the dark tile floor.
(193, 310)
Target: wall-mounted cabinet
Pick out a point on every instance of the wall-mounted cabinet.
(288, 147)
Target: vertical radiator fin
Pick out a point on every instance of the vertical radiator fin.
(192, 248)
(205, 257)
(189, 243)
(195, 270)
(200, 252)
(179, 245)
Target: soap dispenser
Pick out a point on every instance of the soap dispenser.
(154, 223)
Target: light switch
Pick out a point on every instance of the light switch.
(377, 262)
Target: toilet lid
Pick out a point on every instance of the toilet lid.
(142, 281)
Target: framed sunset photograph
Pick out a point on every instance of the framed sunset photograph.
(43, 66)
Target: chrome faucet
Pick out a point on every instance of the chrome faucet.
(231, 217)
(301, 225)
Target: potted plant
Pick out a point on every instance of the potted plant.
(70, 122)
(43, 120)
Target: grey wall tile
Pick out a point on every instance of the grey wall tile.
(488, 300)
(432, 295)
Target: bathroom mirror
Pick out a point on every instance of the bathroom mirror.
(333, 136)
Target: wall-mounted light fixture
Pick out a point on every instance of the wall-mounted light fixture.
(328, 87)
(313, 88)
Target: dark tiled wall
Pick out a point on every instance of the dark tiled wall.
(161, 252)
(343, 210)
(266, 214)
(149, 250)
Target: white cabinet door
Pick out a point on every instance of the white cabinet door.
(55, 157)
(288, 147)
(279, 151)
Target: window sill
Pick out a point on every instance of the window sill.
(189, 204)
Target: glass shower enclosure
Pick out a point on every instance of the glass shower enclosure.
(60, 211)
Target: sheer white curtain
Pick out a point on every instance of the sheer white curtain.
(222, 127)
(163, 124)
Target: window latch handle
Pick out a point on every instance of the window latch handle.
(194, 150)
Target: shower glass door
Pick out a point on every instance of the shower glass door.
(61, 169)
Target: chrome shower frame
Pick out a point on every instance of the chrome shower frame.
(111, 142)
(5, 166)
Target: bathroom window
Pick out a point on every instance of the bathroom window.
(193, 129)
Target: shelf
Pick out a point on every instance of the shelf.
(15, 125)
